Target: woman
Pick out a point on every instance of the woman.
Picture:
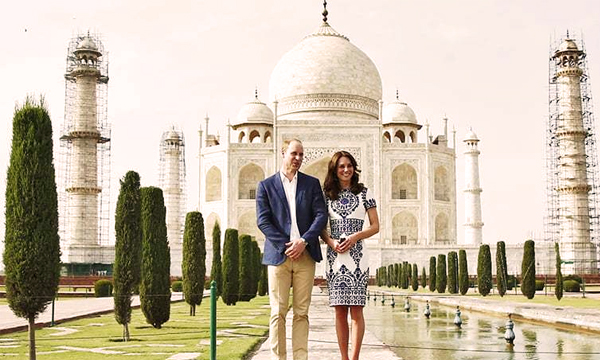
(348, 201)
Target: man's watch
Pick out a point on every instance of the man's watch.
(304, 241)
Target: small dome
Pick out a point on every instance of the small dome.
(254, 112)
(568, 45)
(173, 135)
(471, 136)
(398, 112)
(87, 44)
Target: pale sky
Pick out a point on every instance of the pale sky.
(482, 63)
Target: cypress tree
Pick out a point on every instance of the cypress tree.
(441, 274)
(231, 267)
(193, 266)
(263, 283)
(452, 272)
(246, 276)
(216, 273)
(382, 275)
(32, 245)
(155, 287)
(128, 248)
(463, 272)
(399, 275)
(415, 278)
(390, 275)
(409, 273)
(405, 274)
(432, 274)
(423, 278)
(396, 269)
(256, 268)
(558, 289)
(484, 270)
(501, 269)
(528, 270)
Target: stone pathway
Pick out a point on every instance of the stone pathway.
(322, 340)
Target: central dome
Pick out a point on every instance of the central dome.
(325, 71)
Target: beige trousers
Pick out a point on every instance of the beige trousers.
(299, 275)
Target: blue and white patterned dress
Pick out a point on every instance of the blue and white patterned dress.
(348, 273)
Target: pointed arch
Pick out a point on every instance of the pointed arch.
(441, 184)
(399, 136)
(267, 138)
(404, 182)
(413, 137)
(254, 137)
(241, 137)
(387, 137)
(318, 169)
(213, 184)
(247, 225)
(248, 179)
(405, 229)
(209, 224)
(442, 234)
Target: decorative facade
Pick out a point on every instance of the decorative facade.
(328, 93)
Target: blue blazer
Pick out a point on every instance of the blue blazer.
(274, 220)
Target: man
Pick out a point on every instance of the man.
(291, 213)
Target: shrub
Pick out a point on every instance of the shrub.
(573, 277)
(31, 243)
(432, 274)
(103, 288)
(246, 275)
(231, 267)
(405, 274)
(177, 286)
(539, 285)
(423, 278)
(414, 280)
(216, 272)
(571, 286)
(484, 270)
(558, 288)
(441, 274)
(155, 285)
(511, 282)
(463, 272)
(528, 270)
(390, 275)
(452, 272)
(501, 270)
(193, 266)
(128, 248)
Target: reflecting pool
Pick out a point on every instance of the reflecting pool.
(414, 337)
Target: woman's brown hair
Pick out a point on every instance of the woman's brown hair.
(332, 186)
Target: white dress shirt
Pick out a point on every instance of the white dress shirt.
(290, 194)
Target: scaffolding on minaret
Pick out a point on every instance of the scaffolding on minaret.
(552, 231)
(172, 180)
(85, 147)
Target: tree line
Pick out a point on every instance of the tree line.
(451, 273)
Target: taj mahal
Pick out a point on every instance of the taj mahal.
(328, 93)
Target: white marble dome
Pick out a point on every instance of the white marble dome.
(254, 112)
(471, 136)
(325, 70)
(87, 44)
(398, 112)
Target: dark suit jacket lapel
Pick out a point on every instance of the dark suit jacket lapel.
(281, 192)
(300, 190)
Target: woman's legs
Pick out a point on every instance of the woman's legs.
(341, 329)
(358, 330)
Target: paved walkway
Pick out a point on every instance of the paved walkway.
(64, 310)
(322, 340)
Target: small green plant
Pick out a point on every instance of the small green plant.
(177, 286)
(571, 286)
(539, 285)
(103, 288)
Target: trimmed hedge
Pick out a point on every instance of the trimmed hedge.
(528, 270)
(432, 274)
(442, 278)
(484, 270)
(571, 286)
(177, 286)
(103, 288)
(539, 285)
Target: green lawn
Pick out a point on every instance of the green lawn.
(240, 328)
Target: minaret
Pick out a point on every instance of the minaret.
(172, 182)
(572, 184)
(473, 224)
(85, 141)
